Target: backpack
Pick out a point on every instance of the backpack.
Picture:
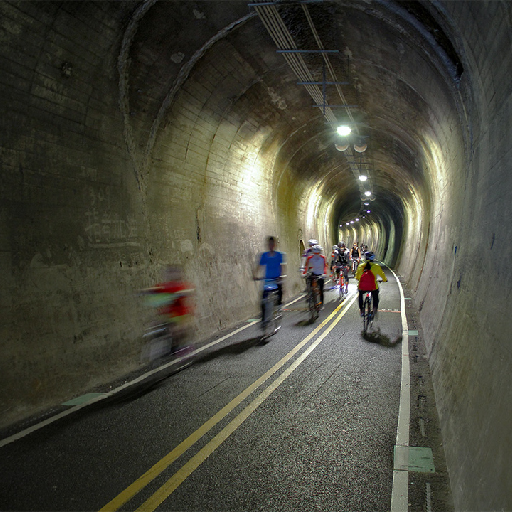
(367, 281)
(342, 257)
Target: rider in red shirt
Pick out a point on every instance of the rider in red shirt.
(367, 274)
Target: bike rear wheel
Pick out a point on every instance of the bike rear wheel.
(367, 317)
(267, 324)
(341, 283)
(311, 307)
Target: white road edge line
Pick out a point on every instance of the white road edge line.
(400, 492)
(76, 408)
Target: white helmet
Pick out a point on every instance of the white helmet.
(312, 242)
(317, 249)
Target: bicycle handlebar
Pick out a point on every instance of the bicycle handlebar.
(310, 274)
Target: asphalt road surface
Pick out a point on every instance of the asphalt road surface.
(307, 421)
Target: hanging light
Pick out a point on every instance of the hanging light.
(363, 177)
(344, 130)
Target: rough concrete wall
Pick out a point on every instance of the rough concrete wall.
(466, 274)
(87, 219)
(72, 237)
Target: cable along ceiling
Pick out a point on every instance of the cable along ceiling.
(286, 45)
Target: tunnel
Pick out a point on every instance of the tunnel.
(138, 134)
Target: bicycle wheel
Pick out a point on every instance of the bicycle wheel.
(267, 315)
(342, 287)
(367, 318)
(313, 299)
(276, 316)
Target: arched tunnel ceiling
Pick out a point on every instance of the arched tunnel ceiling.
(396, 58)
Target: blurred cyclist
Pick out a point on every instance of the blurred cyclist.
(355, 256)
(317, 265)
(274, 263)
(367, 274)
(334, 257)
(308, 252)
(173, 300)
(342, 262)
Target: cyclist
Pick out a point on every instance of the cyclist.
(274, 263)
(367, 274)
(173, 298)
(355, 256)
(308, 252)
(317, 264)
(334, 257)
(342, 262)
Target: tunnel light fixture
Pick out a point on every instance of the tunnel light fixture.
(351, 222)
(367, 193)
(344, 130)
(368, 211)
(362, 177)
(367, 204)
(348, 223)
(357, 220)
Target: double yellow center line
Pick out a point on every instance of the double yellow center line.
(174, 481)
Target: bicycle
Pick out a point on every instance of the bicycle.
(355, 264)
(367, 311)
(342, 281)
(313, 297)
(271, 319)
(368, 316)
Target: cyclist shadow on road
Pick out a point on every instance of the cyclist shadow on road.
(376, 336)
(236, 348)
(304, 323)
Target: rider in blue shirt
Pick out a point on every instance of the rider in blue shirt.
(274, 263)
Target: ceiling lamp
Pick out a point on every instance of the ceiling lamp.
(367, 193)
(362, 177)
(344, 130)
(341, 147)
(360, 148)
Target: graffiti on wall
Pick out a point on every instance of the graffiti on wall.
(105, 227)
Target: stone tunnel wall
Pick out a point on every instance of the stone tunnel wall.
(462, 272)
(84, 224)
(87, 221)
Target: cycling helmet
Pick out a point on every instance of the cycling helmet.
(370, 256)
(341, 244)
(334, 247)
(317, 249)
(312, 242)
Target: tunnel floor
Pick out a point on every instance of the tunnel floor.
(307, 421)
